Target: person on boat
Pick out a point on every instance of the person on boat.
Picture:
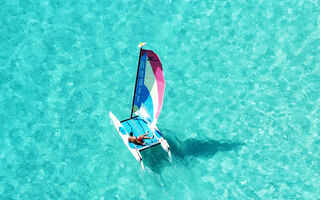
(139, 140)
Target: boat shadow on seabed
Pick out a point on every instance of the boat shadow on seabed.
(182, 151)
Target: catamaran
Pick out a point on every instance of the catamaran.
(146, 106)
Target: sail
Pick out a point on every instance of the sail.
(150, 85)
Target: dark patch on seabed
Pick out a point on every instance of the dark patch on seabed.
(156, 158)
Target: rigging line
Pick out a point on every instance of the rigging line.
(134, 124)
(141, 126)
(130, 127)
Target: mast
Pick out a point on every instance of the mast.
(135, 87)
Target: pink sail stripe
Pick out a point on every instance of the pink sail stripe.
(158, 73)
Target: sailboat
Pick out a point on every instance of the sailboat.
(146, 106)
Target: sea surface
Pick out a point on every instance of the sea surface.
(241, 110)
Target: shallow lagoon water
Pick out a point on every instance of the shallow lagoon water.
(241, 109)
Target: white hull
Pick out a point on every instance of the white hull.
(124, 135)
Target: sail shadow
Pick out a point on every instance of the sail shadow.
(200, 148)
(156, 158)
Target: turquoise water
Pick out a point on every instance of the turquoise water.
(241, 109)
